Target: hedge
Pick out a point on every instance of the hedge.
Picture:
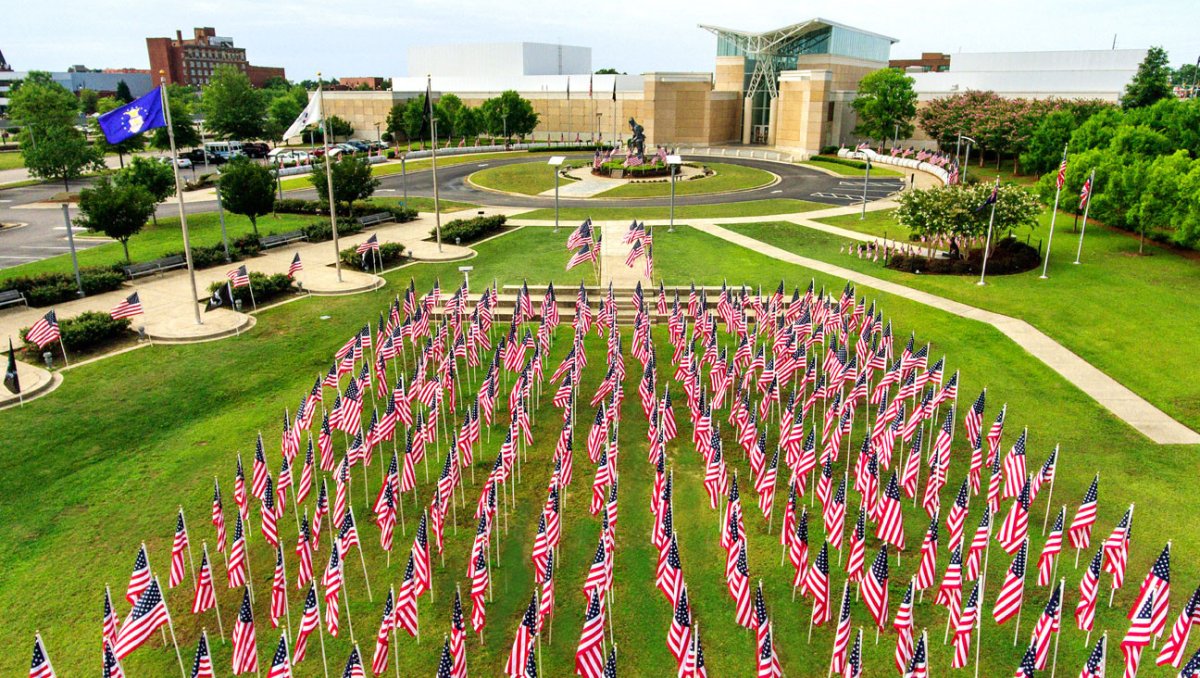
(319, 231)
(266, 287)
(207, 256)
(390, 254)
(1008, 256)
(468, 230)
(48, 289)
(856, 164)
(88, 331)
(358, 209)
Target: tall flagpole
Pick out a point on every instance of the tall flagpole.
(337, 255)
(437, 212)
(187, 248)
(1086, 206)
(988, 243)
(1053, 215)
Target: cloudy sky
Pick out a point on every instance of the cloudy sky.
(370, 37)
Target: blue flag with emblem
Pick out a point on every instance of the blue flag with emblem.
(135, 117)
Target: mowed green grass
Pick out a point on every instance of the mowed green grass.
(11, 160)
(1132, 317)
(727, 177)
(204, 229)
(395, 167)
(847, 171)
(103, 463)
(749, 208)
(528, 178)
(422, 204)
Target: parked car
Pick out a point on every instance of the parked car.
(181, 163)
(287, 157)
(359, 145)
(255, 149)
(199, 156)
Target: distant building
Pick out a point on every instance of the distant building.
(4, 67)
(929, 61)
(498, 59)
(371, 83)
(192, 61)
(104, 83)
(1069, 74)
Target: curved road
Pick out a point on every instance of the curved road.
(44, 234)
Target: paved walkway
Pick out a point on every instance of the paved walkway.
(1125, 404)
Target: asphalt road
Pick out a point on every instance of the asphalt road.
(41, 233)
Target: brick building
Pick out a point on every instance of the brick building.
(934, 62)
(192, 61)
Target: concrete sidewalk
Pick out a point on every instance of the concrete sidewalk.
(1125, 404)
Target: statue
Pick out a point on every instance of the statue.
(637, 139)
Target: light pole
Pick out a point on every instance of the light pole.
(555, 162)
(1091, 186)
(673, 161)
(866, 179)
(404, 177)
(466, 271)
(994, 198)
(966, 162)
(504, 119)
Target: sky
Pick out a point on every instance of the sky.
(370, 37)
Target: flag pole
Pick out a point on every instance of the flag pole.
(171, 624)
(187, 248)
(1053, 216)
(988, 243)
(191, 557)
(437, 214)
(337, 258)
(1091, 187)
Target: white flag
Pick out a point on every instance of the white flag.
(310, 115)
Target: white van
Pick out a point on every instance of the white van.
(226, 150)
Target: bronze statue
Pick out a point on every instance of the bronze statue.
(637, 139)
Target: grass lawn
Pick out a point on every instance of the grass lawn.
(847, 171)
(881, 223)
(1132, 317)
(74, 513)
(156, 241)
(421, 204)
(750, 208)
(11, 160)
(395, 167)
(529, 178)
(727, 178)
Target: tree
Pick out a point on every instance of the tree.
(466, 123)
(1045, 147)
(1151, 82)
(508, 112)
(886, 105)
(123, 93)
(446, 110)
(156, 177)
(51, 146)
(395, 121)
(954, 210)
(352, 180)
(180, 100)
(247, 188)
(131, 145)
(338, 127)
(413, 118)
(232, 108)
(606, 71)
(119, 212)
(285, 106)
(88, 99)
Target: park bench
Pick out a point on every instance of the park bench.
(10, 297)
(375, 219)
(280, 239)
(154, 266)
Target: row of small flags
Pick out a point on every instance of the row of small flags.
(797, 328)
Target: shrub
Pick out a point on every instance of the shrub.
(468, 230)
(319, 231)
(245, 246)
(358, 209)
(390, 254)
(208, 256)
(829, 150)
(87, 331)
(47, 289)
(266, 287)
(1008, 256)
(833, 160)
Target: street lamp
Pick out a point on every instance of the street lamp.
(967, 160)
(466, 271)
(504, 119)
(673, 162)
(555, 162)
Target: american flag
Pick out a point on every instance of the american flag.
(1094, 666)
(202, 665)
(589, 656)
(457, 640)
(1080, 532)
(1012, 591)
(281, 666)
(147, 615)
(309, 622)
(903, 624)
(875, 588)
(1028, 664)
(1173, 649)
(333, 587)
(1051, 550)
(949, 592)
(891, 525)
(768, 661)
(524, 640)
(236, 569)
(406, 601)
(206, 595)
(245, 649)
(973, 422)
(1089, 587)
(178, 547)
(1061, 179)
(239, 277)
(445, 664)
(1086, 192)
(1015, 528)
(1158, 584)
(918, 666)
(140, 579)
(40, 666)
(354, 665)
(1116, 550)
(44, 331)
(278, 590)
(386, 624)
(1047, 625)
(368, 245)
(1014, 466)
(585, 253)
(817, 586)
(927, 570)
(1138, 636)
(296, 266)
(131, 306)
(841, 633)
(679, 634)
(109, 621)
(964, 626)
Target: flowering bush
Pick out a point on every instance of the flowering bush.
(962, 211)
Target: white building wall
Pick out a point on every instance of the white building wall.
(498, 60)
(1082, 74)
